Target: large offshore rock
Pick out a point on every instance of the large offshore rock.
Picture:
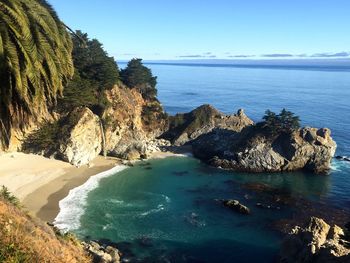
(81, 137)
(186, 127)
(254, 151)
(317, 242)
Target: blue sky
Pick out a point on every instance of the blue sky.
(179, 29)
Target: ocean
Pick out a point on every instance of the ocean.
(167, 210)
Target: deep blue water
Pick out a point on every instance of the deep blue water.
(320, 95)
(165, 210)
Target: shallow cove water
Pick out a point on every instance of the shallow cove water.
(165, 210)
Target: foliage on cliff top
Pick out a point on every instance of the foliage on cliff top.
(24, 239)
(95, 72)
(138, 76)
(35, 60)
(285, 121)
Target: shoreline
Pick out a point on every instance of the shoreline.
(44, 202)
(41, 183)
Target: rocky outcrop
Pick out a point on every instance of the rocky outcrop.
(186, 127)
(127, 128)
(12, 135)
(132, 123)
(254, 150)
(81, 137)
(102, 254)
(317, 242)
(236, 206)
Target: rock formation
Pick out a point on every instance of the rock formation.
(81, 137)
(317, 242)
(186, 127)
(102, 254)
(235, 205)
(132, 123)
(253, 150)
(127, 128)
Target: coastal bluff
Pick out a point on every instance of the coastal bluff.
(234, 142)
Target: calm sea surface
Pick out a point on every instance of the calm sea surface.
(165, 210)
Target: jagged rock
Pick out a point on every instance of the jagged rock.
(235, 205)
(252, 150)
(186, 127)
(81, 137)
(132, 123)
(317, 242)
(102, 254)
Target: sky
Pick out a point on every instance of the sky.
(213, 29)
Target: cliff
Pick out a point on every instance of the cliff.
(127, 128)
(253, 150)
(186, 127)
(316, 242)
(131, 123)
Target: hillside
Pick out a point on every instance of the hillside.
(25, 239)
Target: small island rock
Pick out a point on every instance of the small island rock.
(235, 205)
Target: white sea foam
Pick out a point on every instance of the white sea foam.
(72, 206)
(152, 211)
(339, 165)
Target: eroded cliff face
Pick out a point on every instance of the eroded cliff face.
(81, 137)
(13, 134)
(253, 151)
(127, 128)
(131, 123)
(316, 242)
(184, 128)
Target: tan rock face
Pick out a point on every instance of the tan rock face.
(253, 151)
(317, 242)
(81, 138)
(13, 138)
(184, 128)
(131, 123)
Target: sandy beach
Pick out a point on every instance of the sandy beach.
(40, 183)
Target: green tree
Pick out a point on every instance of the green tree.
(136, 75)
(35, 59)
(95, 72)
(92, 62)
(285, 121)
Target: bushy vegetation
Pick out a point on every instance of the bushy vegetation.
(285, 121)
(27, 240)
(95, 72)
(45, 138)
(137, 76)
(6, 195)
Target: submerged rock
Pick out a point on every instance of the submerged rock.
(316, 242)
(252, 150)
(235, 205)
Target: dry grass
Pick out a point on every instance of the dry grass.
(24, 239)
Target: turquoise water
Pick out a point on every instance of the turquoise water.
(165, 211)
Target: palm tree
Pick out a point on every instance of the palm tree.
(35, 60)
